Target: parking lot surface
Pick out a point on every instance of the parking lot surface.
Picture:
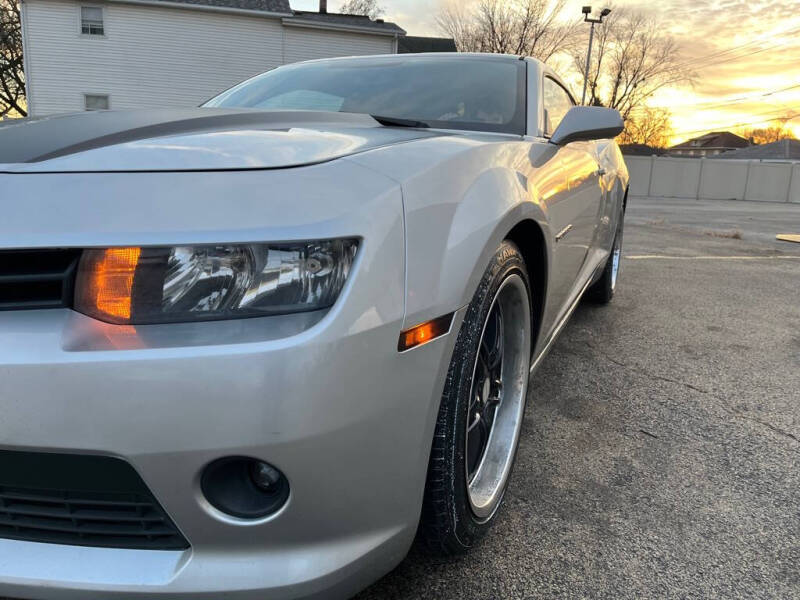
(660, 455)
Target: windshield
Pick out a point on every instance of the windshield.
(450, 93)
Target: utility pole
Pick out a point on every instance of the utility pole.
(587, 11)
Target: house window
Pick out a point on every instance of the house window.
(92, 20)
(95, 102)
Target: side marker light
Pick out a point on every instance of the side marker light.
(424, 332)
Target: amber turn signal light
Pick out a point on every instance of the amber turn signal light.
(424, 333)
(105, 283)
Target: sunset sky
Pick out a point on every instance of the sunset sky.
(739, 50)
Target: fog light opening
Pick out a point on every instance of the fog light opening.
(245, 488)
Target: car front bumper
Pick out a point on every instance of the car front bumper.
(326, 398)
(347, 418)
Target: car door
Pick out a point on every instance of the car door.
(574, 212)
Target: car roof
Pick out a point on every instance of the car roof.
(430, 55)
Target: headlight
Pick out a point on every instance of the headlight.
(193, 283)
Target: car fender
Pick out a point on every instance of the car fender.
(462, 195)
(469, 234)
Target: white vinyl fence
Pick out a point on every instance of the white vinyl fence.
(714, 179)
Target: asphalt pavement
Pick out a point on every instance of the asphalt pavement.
(660, 455)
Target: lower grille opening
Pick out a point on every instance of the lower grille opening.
(81, 501)
(37, 278)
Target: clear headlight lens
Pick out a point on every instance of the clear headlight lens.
(190, 283)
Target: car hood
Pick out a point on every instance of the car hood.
(200, 139)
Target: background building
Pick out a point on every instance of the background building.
(123, 54)
(411, 44)
(710, 144)
(781, 150)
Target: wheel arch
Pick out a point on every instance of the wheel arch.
(529, 238)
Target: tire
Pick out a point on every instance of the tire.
(602, 291)
(465, 489)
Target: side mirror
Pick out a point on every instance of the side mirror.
(585, 123)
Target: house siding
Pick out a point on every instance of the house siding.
(156, 57)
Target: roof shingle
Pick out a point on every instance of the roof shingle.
(716, 139)
(276, 6)
(782, 150)
(346, 21)
(282, 7)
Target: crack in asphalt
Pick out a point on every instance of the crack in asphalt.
(725, 406)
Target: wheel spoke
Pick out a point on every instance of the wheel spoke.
(489, 412)
(491, 349)
(500, 341)
(483, 361)
(484, 355)
(476, 421)
(477, 436)
(494, 400)
(476, 401)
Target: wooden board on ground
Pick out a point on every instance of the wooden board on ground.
(790, 237)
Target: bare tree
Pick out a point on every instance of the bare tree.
(12, 78)
(632, 60)
(649, 126)
(368, 8)
(775, 132)
(459, 22)
(523, 27)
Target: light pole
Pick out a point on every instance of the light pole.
(587, 10)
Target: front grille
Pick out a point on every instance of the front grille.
(37, 278)
(81, 501)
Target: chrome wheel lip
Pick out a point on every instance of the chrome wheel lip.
(485, 489)
(615, 267)
(616, 258)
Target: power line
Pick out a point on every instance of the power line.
(771, 36)
(740, 57)
(787, 118)
(727, 59)
(772, 115)
(713, 64)
(746, 45)
(732, 59)
(730, 102)
(742, 99)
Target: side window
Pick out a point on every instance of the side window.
(92, 20)
(557, 103)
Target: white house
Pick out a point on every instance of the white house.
(119, 54)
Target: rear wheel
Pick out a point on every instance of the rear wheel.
(602, 291)
(482, 407)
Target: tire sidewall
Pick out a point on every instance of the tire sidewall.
(508, 261)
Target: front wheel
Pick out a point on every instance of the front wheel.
(482, 408)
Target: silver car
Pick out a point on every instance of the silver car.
(247, 349)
